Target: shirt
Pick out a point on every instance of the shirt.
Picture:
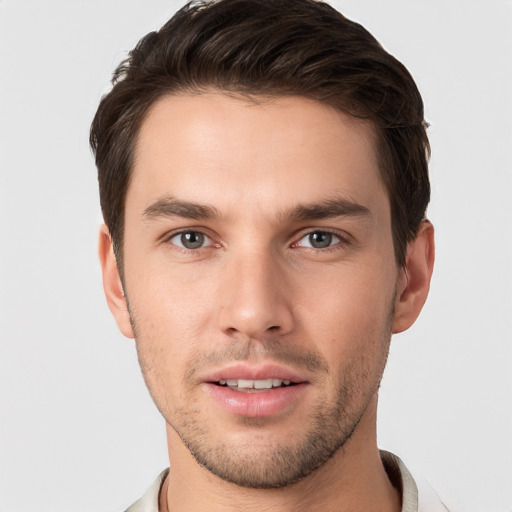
(412, 500)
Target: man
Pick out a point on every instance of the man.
(263, 179)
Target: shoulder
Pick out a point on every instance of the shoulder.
(149, 502)
(417, 495)
(428, 500)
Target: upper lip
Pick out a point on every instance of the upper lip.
(254, 372)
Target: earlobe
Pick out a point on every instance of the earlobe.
(415, 281)
(112, 284)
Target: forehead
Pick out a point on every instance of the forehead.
(217, 148)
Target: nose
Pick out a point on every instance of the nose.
(253, 298)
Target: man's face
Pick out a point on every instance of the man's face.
(261, 279)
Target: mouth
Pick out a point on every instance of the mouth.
(256, 391)
(254, 386)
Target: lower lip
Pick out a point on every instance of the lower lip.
(258, 404)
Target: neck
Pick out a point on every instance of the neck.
(354, 480)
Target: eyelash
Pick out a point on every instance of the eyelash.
(191, 231)
(343, 240)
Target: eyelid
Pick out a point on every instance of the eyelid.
(212, 242)
(344, 237)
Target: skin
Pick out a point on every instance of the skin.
(263, 177)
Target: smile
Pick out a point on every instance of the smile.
(256, 391)
(248, 385)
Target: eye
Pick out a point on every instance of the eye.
(190, 240)
(319, 240)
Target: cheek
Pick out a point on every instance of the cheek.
(349, 320)
(170, 301)
(347, 300)
(170, 322)
(166, 340)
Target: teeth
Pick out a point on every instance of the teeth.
(254, 384)
(263, 384)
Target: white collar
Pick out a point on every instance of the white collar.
(424, 500)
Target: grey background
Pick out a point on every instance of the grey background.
(78, 430)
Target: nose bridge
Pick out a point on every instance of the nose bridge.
(253, 299)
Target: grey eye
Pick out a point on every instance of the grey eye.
(319, 240)
(190, 240)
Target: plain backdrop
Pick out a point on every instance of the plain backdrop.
(78, 430)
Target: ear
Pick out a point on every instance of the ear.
(112, 284)
(414, 282)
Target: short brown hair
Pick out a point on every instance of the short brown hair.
(268, 48)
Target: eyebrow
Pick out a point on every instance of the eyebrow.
(337, 207)
(170, 207)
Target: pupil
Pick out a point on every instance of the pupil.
(320, 239)
(192, 239)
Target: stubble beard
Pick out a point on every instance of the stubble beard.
(276, 465)
(279, 465)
